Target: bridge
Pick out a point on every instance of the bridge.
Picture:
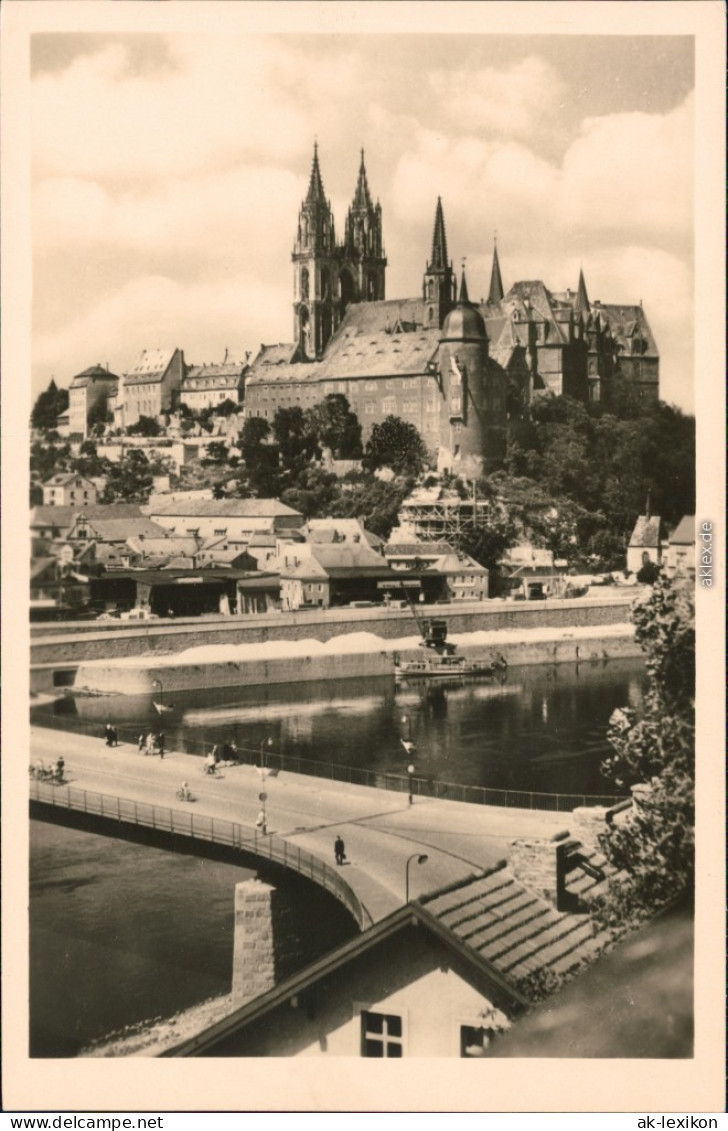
(119, 790)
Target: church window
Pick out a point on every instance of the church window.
(304, 283)
(431, 314)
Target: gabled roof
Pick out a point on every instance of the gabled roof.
(65, 516)
(518, 932)
(120, 529)
(150, 366)
(469, 963)
(684, 532)
(646, 532)
(64, 477)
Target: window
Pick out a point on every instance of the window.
(389, 405)
(474, 1040)
(221, 532)
(381, 1034)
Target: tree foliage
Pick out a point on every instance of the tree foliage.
(336, 427)
(145, 426)
(655, 750)
(397, 444)
(132, 478)
(51, 404)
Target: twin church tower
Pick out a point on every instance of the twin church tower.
(328, 276)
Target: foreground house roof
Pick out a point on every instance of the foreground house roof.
(225, 508)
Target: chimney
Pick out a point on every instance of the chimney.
(543, 865)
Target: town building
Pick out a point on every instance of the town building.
(646, 543)
(681, 547)
(206, 386)
(151, 387)
(437, 571)
(69, 490)
(446, 975)
(224, 518)
(462, 372)
(89, 394)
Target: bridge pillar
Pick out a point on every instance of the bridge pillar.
(258, 948)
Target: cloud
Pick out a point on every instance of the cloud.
(509, 102)
(152, 312)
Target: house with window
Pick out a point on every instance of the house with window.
(681, 547)
(89, 394)
(151, 387)
(443, 573)
(235, 519)
(205, 386)
(445, 976)
(646, 543)
(69, 490)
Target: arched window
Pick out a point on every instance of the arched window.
(304, 283)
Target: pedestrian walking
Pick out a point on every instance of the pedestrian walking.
(141, 742)
(60, 765)
(160, 744)
(339, 850)
(109, 734)
(261, 822)
(114, 737)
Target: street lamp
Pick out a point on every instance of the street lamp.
(410, 772)
(266, 742)
(420, 857)
(407, 742)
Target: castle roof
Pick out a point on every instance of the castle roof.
(150, 366)
(93, 373)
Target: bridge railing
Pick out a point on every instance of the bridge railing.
(356, 775)
(199, 826)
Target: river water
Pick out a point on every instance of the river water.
(121, 932)
(541, 728)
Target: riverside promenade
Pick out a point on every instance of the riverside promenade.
(380, 828)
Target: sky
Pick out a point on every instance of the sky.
(168, 171)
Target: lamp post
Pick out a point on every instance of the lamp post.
(420, 857)
(266, 742)
(410, 772)
(409, 746)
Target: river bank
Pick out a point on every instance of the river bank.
(350, 656)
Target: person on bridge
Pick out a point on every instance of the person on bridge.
(261, 822)
(339, 850)
(210, 763)
(60, 765)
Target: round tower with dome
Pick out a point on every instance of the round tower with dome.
(473, 387)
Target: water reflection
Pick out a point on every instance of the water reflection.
(539, 728)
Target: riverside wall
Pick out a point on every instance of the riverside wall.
(72, 643)
(139, 679)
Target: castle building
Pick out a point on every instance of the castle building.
(88, 391)
(150, 388)
(462, 372)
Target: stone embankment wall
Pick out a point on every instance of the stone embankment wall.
(139, 679)
(70, 644)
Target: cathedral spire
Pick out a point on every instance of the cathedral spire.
(362, 199)
(495, 294)
(464, 296)
(438, 259)
(581, 305)
(315, 185)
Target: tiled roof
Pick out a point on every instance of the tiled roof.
(646, 531)
(150, 367)
(626, 322)
(517, 931)
(121, 529)
(64, 516)
(684, 533)
(225, 508)
(416, 549)
(358, 556)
